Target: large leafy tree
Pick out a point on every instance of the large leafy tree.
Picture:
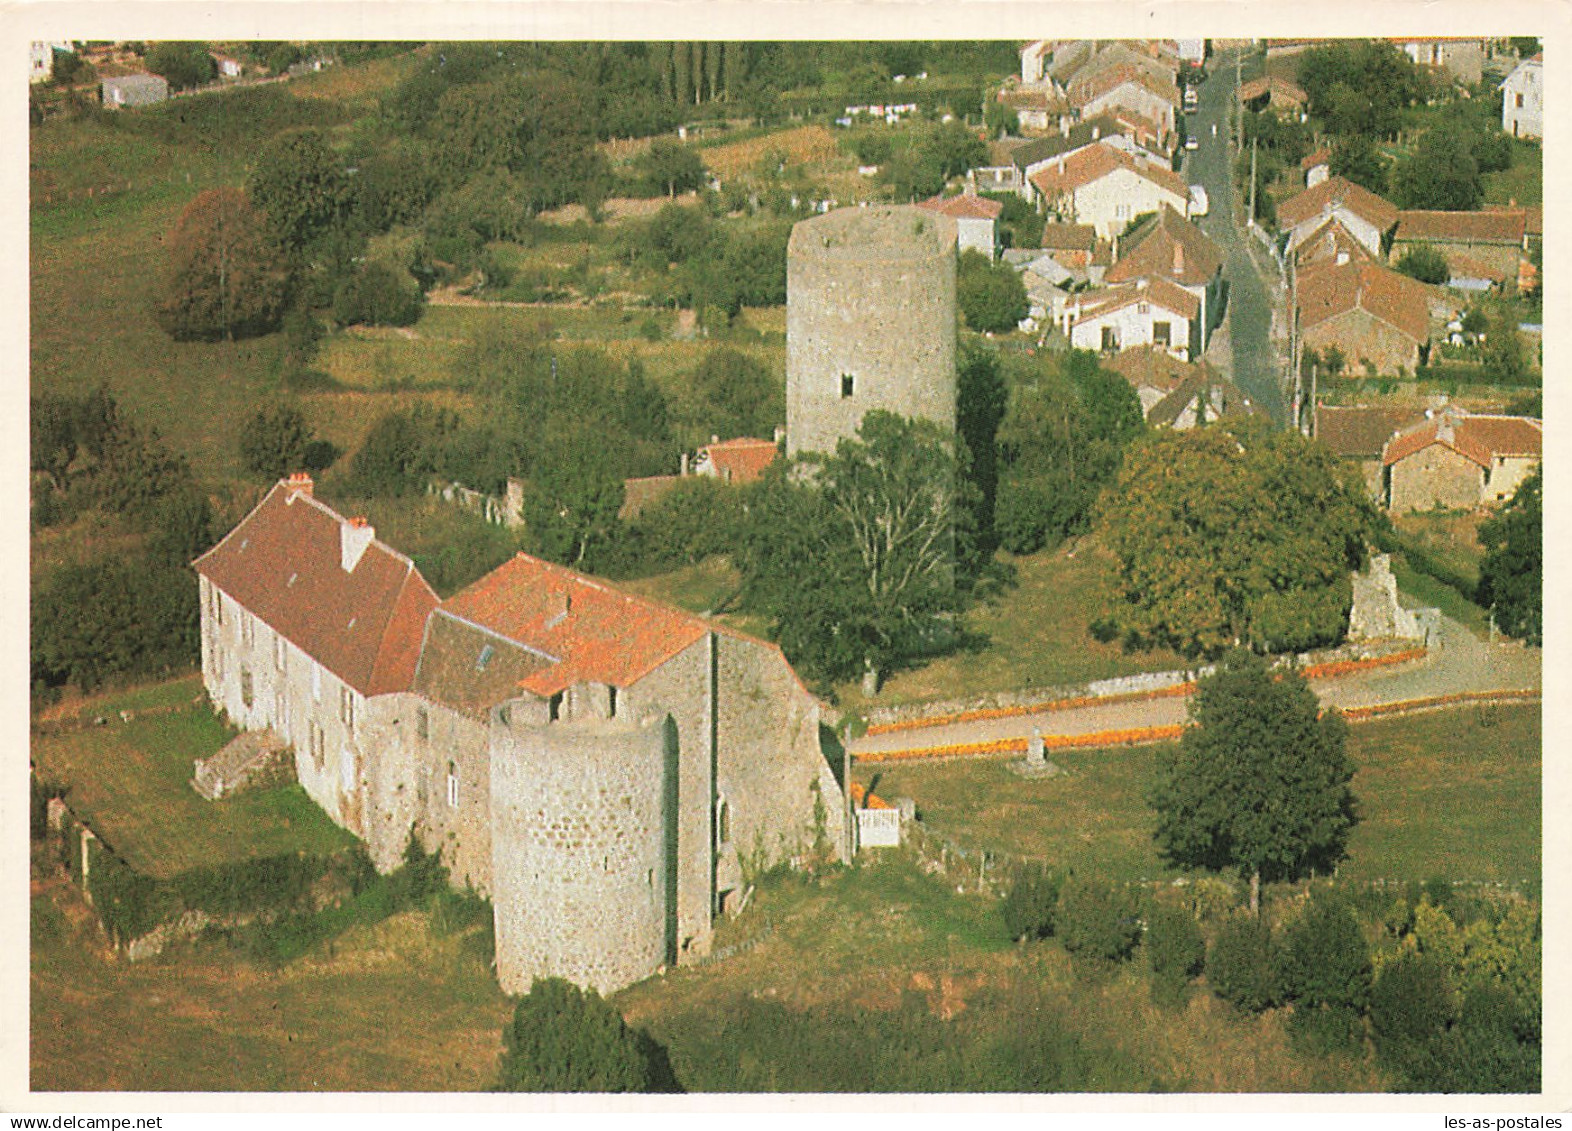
(1360, 86)
(1060, 443)
(856, 564)
(1259, 782)
(1442, 173)
(275, 440)
(1232, 535)
(184, 63)
(225, 278)
(302, 187)
(1511, 578)
(990, 295)
(564, 1039)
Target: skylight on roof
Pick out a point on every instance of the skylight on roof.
(486, 652)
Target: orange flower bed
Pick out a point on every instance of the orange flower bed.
(1348, 667)
(1019, 745)
(1376, 710)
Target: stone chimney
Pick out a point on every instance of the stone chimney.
(353, 537)
(1096, 132)
(1178, 259)
(298, 484)
(1342, 258)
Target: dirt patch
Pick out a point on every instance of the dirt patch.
(797, 146)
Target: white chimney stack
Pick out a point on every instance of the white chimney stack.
(354, 536)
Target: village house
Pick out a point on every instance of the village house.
(598, 764)
(41, 58)
(1173, 393)
(1037, 108)
(1033, 156)
(1130, 88)
(1150, 311)
(1482, 249)
(1081, 61)
(1366, 216)
(124, 91)
(1316, 167)
(1462, 59)
(976, 221)
(1106, 188)
(1358, 434)
(1373, 316)
(1459, 461)
(1069, 245)
(1523, 99)
(1330, 243)
(1170, 246)
(1274, 93)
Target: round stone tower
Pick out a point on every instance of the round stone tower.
(870, 321)
(579, 851)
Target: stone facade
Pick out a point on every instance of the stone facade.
(1436, 476)
(870, 322)
(1362, 338)
(603, 768)
(1523, 99)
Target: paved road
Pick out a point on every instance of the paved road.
(1243, 345)
(1458, 662)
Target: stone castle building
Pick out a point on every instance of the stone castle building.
(870, 321)
(602, 766)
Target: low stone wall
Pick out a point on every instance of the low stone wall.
(1322, 664)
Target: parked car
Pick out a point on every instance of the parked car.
(1192, 142)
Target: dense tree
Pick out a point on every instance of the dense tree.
(1360, 86)
(182, 62)
(1241, 964)
(671, 167)
(1060, 443)
(393, 459)
(991, 296)
(1259, 781)
(302, 187)
(1097, 920)
(1028, 908)
(1511, 577)
(981, 398)
(1325, 959)
(1175, 950)
(1358, 159)
(1426, 264)
(377, 294)
(273, 442)
(565, 1039)
(110, 617)
(572, 503)
(1231, 535)
(224, 277)
(738, 394)
(1439, 174)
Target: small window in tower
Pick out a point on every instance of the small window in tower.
(722, 822)
(554, 707)
(245, 687)
(611, 701)
(453, 786)
(848, 385)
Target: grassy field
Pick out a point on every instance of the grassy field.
(130, 782)
(1523, 181)
(1453, 794)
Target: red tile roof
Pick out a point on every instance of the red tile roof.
(1332, 193)
(1069, 237)
(1095, 86)
(1359, 431)
(1533, 216)
(1327, 291)
(1479, 439)
(1171, 247)
(744, 459)
(967, 206)
(1150, 288)
(1320, 157)
(595, 632)
(1504, 227)
(283, 562)
(1326, 242)
(1275, 87)
(1096, 162)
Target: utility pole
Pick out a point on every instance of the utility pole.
(1313, 428)
(1252, 182)
(1294, 360)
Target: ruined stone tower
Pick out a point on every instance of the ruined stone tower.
(870, 321)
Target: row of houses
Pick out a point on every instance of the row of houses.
(1063, 82)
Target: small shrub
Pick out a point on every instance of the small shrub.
(1096, 920)
(1325, 959)
(377, 295)
(1410, 1004)
(1028, 909)
(1241, 963)
(1324, 1029)
(565, 1039)
(1175, 949)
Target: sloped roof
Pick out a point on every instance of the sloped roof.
(1361, 431)
(1336, 192)
(1081, 134)
(284, 563)
(1502, 227)
(1152, 367)
(967, 206)
(1095, 86)
(1172, 247)
(1533, 216)
(1150, 288)
(1328, 291)
(1479, 439)
(1275, 86)
(1327, 241)
(1320, 157)
(1069, 237)
(1097, 161)
(594, 632)
(744, 459)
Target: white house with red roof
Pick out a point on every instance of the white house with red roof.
(1523, 99)
(1107, 188)
(976, 221)
(601, 765)
(1150, 311)
(1365, 216)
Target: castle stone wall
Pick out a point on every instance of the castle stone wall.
(870, 297)
(579, 860)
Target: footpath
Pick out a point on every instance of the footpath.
(1458, 664)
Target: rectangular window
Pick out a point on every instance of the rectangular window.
(316, 682)
(346, 706)
(611, 701)
(1110, 339)
(346, 769)
(245, 687)
(848, 385)
(280, 653)
(1519, 101)
(248, 630)
(219, 604)
(554, 707)
(316, 746)
(486, 652)
(453, 788)
(1162, 333)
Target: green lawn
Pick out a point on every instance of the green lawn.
(1523, 181)
(131, 783)
(1453, 794)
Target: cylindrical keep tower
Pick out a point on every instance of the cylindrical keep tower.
(579, 852)
(870, 322)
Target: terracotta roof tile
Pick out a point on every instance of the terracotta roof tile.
(1097, 161)
(1273, 85)
(1081, 134)
(1479, 439)
(967, 206)
(1069, 237)
(745, 459)
(1151, 288)
(1172, 247)
(1320, 157)
(1501, 227)
(283, 562)
(1327, 291)
(1332, 193)
(1090, 89)
(596, 632)
(1360, 432)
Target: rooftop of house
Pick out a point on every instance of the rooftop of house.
(1095, 86)
(1152, 367)
(1330, 290)
(1170, 246)
(1149, 288)
(1330, 242)
(1361, 431)
(1481, 439)
(1320, 157)
(967, 206)
(1506, 226)
(1076, 170)
(1069, 237)
(1275, 86)
(743, 459)
(327, 585)
(1334, 193)
(1081, 134)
